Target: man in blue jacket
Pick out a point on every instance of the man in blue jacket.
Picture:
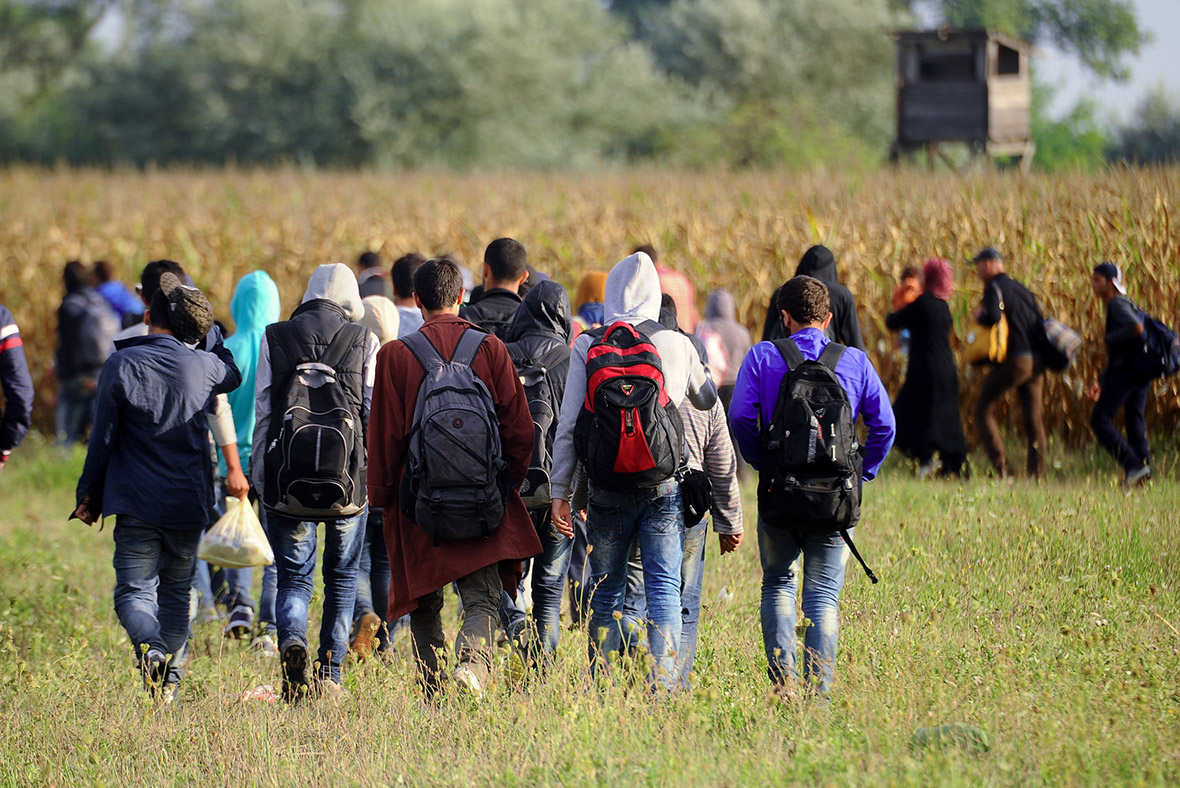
(148, 464)
(805, 312)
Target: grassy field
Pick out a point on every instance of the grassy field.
(1043, 614)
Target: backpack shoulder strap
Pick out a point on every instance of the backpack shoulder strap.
(424, 350)
(790, 353)
(832, 355)
(468, 346)
(651, 327)
(340, 346)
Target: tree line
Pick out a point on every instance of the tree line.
(459, 84)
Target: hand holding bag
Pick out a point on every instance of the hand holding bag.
(237, 540)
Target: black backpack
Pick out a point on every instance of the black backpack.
(629, 434)
(1158, 354)
(315, 452)
(456, 484)
(543, 407)
(811, 459)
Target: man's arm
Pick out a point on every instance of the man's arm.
(231, 375)
(989, 308)
(702, 393)
(108, 403)
(262, 382)
(721, 465)
(370, 377)
(1123, 322)
(384, 437)
(744, 412)
(877, 413)
(18, 387)
(564, 457)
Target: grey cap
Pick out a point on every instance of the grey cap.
(189, 313)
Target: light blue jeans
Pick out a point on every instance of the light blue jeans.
(617, 520)
(824, 561)
(294, 545)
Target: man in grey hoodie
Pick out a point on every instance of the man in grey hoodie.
(653, 516)
(332, 302)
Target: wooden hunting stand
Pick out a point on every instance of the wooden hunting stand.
(970, 86)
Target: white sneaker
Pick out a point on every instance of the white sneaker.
(466, 679)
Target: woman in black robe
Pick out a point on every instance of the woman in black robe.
(927, 407)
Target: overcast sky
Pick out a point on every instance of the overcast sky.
(1158, 61)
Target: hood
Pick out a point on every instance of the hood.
(255, 304)
(381, 317)
(721, 306)
(819, 262)
(544, 310)
(633, 290)
(336, 282)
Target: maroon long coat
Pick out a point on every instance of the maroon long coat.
(416, 566)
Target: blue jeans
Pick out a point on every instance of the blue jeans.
(549, 573)
(578, 574)
(153, 578)
(267, 620)
(511, 612)
(824, 562)
(75, 410)
(617, 520)
(372, 580)
(294, 545)
(692, 577)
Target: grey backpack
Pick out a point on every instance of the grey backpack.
(454, 486)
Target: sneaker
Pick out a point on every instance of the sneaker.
(326, 689)
(295, 683)
(241, 621)
(1137, 476)
(467, 681)
(363, 633)
(158, 678)
(264, 643)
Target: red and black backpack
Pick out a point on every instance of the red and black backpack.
(628, 434)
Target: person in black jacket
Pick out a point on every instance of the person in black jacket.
(1023, 369)
(1117, 387)
(538, 341)
(86, 328)
(505, 269)
(819, 262)
(18, 387)
(927, 407)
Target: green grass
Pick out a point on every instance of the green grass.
(1042, 614)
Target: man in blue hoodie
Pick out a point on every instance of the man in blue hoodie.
(805, 313)
(148, 464)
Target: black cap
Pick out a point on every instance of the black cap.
(987, 253)
(1113, 273)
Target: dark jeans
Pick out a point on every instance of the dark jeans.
(1027, 376)
(549, 573)
(579, 573)
(479, 593)
(75, 410)
(692, 577)
(153, 581)
(294, 545)
(372, 579)
(512, 607)
(1117, 392)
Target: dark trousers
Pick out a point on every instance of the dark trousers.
(1027, 376)
(1117, 392)
(479, 592)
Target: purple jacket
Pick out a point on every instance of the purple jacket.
(761, 376)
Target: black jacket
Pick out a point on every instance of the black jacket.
(539, 333)
(493, 311)
(1026, 325)
(820, 263)
(1123, 319)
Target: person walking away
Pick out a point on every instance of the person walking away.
(17, 416)
(402, 274)
(254, 306)
(314, 386)
(372, 579)
(785, 533)
(538, 344)
(86, 329)
(483, 554)
(726, 343)
(1023, 368)
(371, 277)
(927, 407)
(819, 262)
(505, 269)
(637, 497)
(588, 302)
(119, 297)
(1117, 387)
(148, 464)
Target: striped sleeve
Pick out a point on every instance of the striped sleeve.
(711, 450)
(16, 382)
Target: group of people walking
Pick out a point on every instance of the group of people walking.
(470, 440)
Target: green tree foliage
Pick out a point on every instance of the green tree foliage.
(1153, 135)
(1077, 141)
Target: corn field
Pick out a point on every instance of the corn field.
(744, 232)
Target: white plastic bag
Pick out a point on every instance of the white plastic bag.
(236, 540)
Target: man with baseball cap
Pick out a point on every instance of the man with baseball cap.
(1116, 387)
(1022, 369)
(148, 464)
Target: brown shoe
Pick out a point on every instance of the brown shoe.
(363, 633)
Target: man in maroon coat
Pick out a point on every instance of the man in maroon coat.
(481, 567)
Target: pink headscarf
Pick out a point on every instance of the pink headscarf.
(937, 278)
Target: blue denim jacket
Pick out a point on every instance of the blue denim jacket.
(148, 455)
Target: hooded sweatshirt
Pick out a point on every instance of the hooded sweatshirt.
(539, 335)
(382, 318)
(255, 306)
(819, 262)
(726, 340)
(331, 287)
(632, 296)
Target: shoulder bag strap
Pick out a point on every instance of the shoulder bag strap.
(424, 351)
(790, 353)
